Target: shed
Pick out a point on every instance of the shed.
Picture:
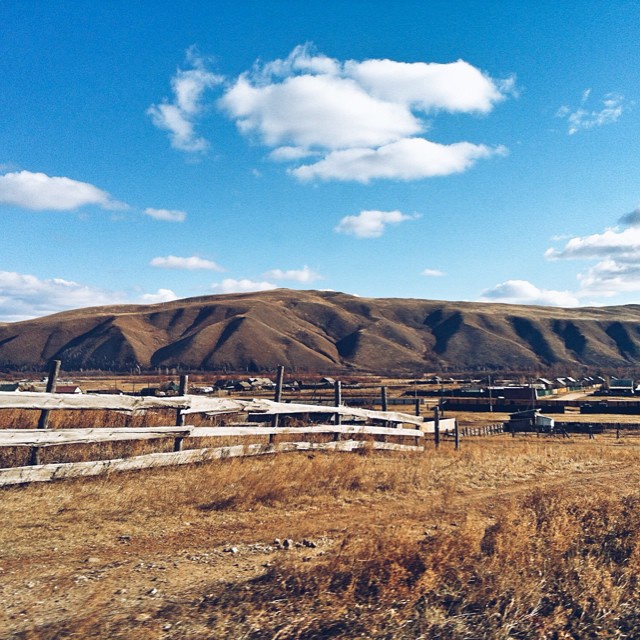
(529, 420)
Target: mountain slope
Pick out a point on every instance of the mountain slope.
(325, 332)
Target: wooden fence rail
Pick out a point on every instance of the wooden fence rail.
(189, 404)
(47, 472)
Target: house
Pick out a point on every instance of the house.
(68, 388)
(261, 383)
(621, 387)
(170, 387)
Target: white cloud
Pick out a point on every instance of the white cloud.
(360, 117)
(454, 87)
(38, 191)
(406, 159)
(179, 116)
(25, 296)
(244, 285)
(161, 295)
(432, 273)
(623, 244)
(523, 292)
(191, 263)
(168, 215)
(582, 118)
(371, 224)
(317, 111)
(618, 254)
(298, 275)
(287, 154)
(610, 277)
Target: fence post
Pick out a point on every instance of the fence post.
(182, 391)
(52, 380)
(384, 402)
(417, 406)
(34, 458)
(456, 434)
(275, 423)
(436, 426)
(337, 400)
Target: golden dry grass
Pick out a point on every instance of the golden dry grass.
(508, 538)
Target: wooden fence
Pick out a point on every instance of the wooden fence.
(485, 430)
(338, 437)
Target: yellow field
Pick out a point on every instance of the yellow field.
(508, 538)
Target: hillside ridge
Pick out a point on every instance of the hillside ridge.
(325, 331)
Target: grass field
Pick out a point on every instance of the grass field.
(507, 538)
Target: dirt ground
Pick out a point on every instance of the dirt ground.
(142, 555)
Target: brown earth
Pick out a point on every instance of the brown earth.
(190, 553)
(325, 332)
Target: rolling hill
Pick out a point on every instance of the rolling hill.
(325, 332)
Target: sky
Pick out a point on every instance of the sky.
(459, 150)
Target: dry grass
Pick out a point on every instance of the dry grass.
(508, 538)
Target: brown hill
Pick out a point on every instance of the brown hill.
(325, 332)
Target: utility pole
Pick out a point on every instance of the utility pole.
(490, 396)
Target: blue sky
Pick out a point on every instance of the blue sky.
(483, 151)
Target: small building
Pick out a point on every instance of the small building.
(621, 387)
(529, 420)
(68, 388)
(261, 383)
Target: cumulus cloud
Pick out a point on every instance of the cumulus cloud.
(457, 87)
(297, 275)
(317, 111)
(618, 255)
(178, 116)
(361, 117)
(523, 292)
(161, 295)
(623, 244)
(191, 263)
(168, 215)
(371, 224)
(582, 118)
(244, 285)
(406, 159)
(286, 154)
(432, 273)
(25, 296)
(38, 191)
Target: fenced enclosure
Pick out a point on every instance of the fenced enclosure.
(37, 455)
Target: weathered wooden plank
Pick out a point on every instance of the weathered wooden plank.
(22, 437)
(352, 429)
(50, 401)
(47, 472)
(187, 404)
(267, 406)
(26, 437)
